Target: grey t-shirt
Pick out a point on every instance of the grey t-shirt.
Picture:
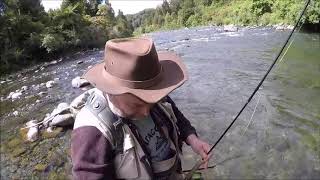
(157, 144)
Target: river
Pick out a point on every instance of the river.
(280, 140)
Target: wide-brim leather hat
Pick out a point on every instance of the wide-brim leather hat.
(132, 65)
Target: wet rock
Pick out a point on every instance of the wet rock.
(10, 95)
(79, 62)
(49, 129)
(290, 27)
(230, 28)
(79, 82)
(60, 107)
(15, 113)
(282, 27)
(41, 93)
(62, 120)
(50, 84)
(16, 95)
(79, 101)
(38, 101)
(53, 62)
(24, 88)
(32, 134)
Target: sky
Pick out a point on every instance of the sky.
(126, 6)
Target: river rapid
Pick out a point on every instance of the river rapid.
(276, 137)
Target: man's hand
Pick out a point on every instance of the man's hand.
(200, 147)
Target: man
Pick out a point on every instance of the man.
(130, 128)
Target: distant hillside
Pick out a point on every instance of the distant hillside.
(187, 13)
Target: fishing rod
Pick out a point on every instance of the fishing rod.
(199, 163)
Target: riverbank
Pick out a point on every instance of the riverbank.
(189, 13)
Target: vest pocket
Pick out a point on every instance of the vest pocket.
(126, 165)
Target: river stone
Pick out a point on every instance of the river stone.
(15, 113)
(60, 107)
(41, 93)
(32, 134)
(79, 101)
(16, 95)
(10, 95)
(79, 82)
(62, 120)
(49, 84)
(230, 28)
(79, 62)
(24, 88)
(54, 62)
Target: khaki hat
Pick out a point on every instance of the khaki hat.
(132, 65)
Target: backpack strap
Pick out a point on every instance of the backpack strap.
(96, 113)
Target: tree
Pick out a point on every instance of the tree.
(165, 7)
(123, 28)
(175, 5)
(91, 7)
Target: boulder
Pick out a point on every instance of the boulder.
(10, 95)
(79, 101)
(79, 82)
(33, 131)
(62, 120)
(60, 107)
(16, 95)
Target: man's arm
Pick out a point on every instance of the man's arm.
(189, 135)
(183, 123)
(91, 154)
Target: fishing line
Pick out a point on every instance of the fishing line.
(294, 37)
(198, 164)
(251, 118)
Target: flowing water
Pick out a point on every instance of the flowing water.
(280, 141)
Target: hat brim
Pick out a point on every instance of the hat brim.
(174, 75)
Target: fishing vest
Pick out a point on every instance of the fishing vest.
(130, 158)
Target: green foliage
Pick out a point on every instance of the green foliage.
(28, 34)
(186, 13)
(52, 42)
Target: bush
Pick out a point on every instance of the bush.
(53, 42)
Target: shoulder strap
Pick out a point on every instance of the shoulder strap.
(101, 117)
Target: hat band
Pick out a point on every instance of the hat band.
(133, 84)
